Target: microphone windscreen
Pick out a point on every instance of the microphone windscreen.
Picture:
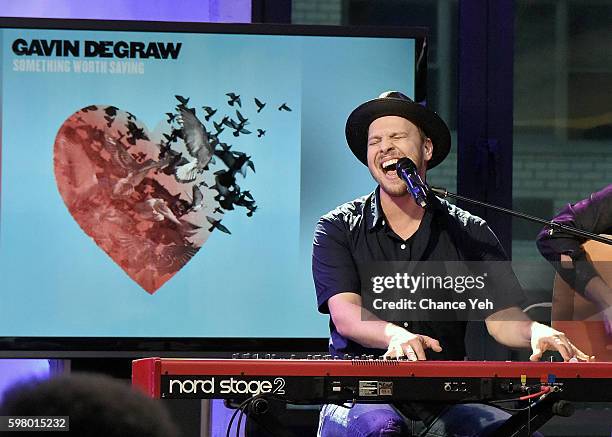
(405, 164)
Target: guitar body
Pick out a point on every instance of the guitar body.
(580, 319)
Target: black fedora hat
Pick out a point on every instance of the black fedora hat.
(396, 103)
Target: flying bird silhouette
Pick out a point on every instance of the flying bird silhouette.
(243, 200)
(111, 111)
(243, 120)
(209, 112)
(225, 183)
(236, 162)
(89, 108)
(260, 133)
(234, 98)
(198, 146)
(239, 127)
(260, 104)
(251, 211)
(218, 127)
(197, 199)
(229, 122)
(135, 133)
(216, 224)
(284, 107)
(184, 101)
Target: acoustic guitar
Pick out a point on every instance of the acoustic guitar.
(580, 319)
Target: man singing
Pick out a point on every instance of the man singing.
(388, 225)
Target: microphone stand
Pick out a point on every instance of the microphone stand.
(443, 192)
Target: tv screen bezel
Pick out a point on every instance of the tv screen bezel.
(132, 347)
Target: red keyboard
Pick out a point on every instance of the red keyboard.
(319, 381)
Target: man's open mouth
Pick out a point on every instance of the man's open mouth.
(388, 167)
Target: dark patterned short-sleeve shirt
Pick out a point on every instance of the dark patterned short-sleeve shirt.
(357, 233)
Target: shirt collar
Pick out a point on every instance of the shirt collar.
(375, 214)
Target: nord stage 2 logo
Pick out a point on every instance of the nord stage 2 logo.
(220, 387)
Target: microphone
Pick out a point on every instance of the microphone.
(407, 171)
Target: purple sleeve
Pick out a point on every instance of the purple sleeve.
(593, 215)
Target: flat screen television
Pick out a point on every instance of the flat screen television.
(160, 182)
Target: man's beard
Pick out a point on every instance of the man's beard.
(396, 188)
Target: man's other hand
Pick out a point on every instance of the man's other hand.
(545, 338)
(412, 346)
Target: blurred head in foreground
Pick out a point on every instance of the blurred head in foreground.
(97, 405)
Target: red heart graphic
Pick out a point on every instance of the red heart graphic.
(119, 189)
